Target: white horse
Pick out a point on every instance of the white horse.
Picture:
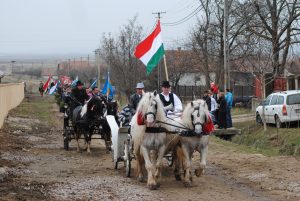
(150, 139)
(195, 116)
(149, 147)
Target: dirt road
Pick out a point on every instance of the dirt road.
(34, 166)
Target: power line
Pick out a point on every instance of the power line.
(186, 18)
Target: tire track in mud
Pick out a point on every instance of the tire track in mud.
(222, 177)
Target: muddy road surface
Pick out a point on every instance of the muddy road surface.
(34, 166)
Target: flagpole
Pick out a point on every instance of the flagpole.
(166, 69)
(107, 86)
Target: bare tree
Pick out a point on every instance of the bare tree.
(277, 22)
(208, 41)
(117, 51)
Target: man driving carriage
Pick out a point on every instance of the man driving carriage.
(78, 96)
(129, 110)
(171, 102)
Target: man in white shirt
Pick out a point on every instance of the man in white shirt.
(170, 100)
(213, 107)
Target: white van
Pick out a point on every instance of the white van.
(280, 107)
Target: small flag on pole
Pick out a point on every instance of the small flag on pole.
(74, 81)
(151, 50)
(54, 88)
(46, 85)
(94, 84)
(108, 88)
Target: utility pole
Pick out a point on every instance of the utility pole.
(165, 63)
(88, 61)
(226, 51)
(69, 66)
(158, 14)
(97, 60)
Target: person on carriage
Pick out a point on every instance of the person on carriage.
(172, 104)
(95, 95)
(78, 96)
(135, 98)
(125, 115)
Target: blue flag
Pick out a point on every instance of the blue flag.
(108, 90)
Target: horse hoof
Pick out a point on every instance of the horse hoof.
(178, 177)
(152, 187)
(199, 172)
(140, 179)
(188, 184)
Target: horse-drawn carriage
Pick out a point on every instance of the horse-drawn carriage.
(122, 146)
(75, 126)
(174, 140)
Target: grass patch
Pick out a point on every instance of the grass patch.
(239, 111)
(37, 108)
(283, 141)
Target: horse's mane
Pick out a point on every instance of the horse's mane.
(88, 105)
(187, 112)
(146, 100)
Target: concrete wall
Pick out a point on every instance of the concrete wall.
(11, 95)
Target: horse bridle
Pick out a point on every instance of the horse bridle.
(154, 114)
(198, 115)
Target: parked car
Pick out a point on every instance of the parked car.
(243, 101)
(280, 108)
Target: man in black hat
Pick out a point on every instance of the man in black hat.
(78, 95)
(170, 100)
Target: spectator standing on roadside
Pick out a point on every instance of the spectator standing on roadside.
(207, 100)
(229, 101)
(222, 108)
(213, 107)
(215, 90)
(41, 88)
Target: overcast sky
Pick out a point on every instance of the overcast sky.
(76, 26)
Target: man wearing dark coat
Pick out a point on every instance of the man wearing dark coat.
(222, 111)
(207, 99)
(135, 98)
(78, 95)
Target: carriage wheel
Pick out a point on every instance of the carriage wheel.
(128, 167)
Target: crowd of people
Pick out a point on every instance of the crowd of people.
(219, 103)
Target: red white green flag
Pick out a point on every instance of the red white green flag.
(151, 50)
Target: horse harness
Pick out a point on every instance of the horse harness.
(187, 132)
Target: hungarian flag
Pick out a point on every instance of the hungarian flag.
(46, 85)
(151, 50)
